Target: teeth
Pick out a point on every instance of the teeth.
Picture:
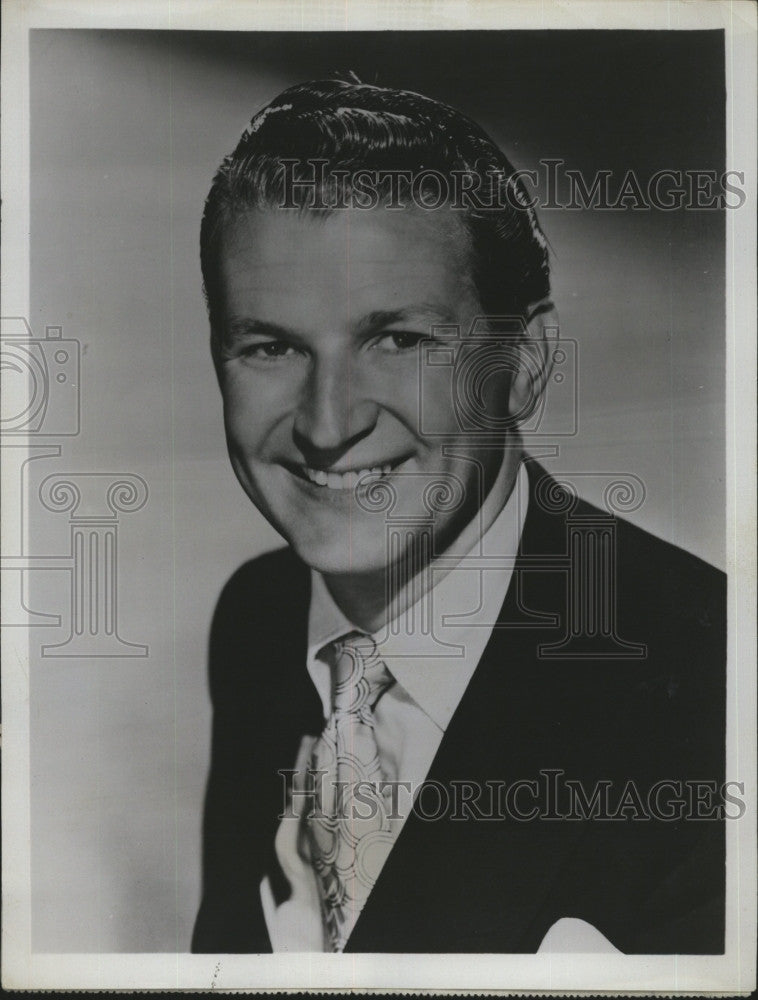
(344, 480)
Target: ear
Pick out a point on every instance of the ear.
(535, 359)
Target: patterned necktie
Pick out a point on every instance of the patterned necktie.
(349, 837)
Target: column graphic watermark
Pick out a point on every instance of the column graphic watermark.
(93, 502)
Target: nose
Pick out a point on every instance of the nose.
(333, 414)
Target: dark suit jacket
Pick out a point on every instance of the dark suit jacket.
(477, 885)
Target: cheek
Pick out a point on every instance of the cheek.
(252, 409)
(437, 399)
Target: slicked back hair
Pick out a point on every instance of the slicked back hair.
(353, 127)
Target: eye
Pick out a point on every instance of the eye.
(399, 341)
(269, 350)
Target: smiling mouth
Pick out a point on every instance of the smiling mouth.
(344, 480)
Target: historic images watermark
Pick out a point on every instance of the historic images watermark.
(308, 184)
(550, 795)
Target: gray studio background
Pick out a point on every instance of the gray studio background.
(126, 131)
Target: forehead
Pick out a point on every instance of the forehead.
(308, 267)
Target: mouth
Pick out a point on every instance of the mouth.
(347, 480)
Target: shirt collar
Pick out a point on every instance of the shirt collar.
(434, 664)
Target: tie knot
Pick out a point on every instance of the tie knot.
(359, 676)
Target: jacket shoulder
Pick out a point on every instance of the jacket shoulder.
(264, 582)
(260, 618)
(679, 583)
(655, 575)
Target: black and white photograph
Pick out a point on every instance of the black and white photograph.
(378, 442)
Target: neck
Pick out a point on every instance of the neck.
(372, 600)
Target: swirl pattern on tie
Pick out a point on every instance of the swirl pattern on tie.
(350, 831)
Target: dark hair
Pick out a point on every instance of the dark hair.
(355, 126)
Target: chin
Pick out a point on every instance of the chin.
(344, 557)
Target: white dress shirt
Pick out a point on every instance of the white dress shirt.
(432, 651)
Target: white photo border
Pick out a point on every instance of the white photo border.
(734, 972)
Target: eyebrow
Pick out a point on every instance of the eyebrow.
(250, 327)
(378, 319)
(388, 317)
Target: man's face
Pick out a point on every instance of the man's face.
(318, 360)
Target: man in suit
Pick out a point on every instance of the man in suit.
(463, 707)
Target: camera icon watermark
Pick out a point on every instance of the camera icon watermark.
(41, 380)
(497, 346)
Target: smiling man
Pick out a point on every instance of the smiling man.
(374, 275)
(318, 361)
